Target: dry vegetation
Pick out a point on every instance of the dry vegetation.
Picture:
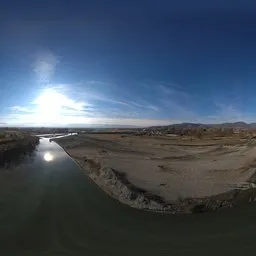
(14, 144)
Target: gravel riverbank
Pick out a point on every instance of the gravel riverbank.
(119, 185)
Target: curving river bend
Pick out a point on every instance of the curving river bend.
(52, 208)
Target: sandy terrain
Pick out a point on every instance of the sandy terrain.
(172, 168)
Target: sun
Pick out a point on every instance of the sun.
(52, 107)
(49, 103)
(49, 106)
(48, 157)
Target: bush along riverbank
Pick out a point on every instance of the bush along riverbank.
(12, 152)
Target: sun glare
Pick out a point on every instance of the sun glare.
(53, 106)
(48, 157)
(49, 104)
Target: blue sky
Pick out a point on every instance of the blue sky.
(127, 63)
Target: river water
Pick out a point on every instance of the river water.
(52, 208)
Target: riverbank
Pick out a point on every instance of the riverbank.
(166, 174)
(13, 147)
(117, 186)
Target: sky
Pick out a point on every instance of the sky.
(127, 63)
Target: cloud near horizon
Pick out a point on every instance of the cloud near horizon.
(53, 107)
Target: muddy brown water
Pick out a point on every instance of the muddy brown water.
(52, 208)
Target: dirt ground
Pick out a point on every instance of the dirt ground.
(173, 168)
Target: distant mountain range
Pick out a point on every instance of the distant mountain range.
(238, 125)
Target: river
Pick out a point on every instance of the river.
(52, 208)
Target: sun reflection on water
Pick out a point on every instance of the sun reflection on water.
(48, 157)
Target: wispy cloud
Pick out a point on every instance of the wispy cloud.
(94, 102)
(229, 113)
(45, 65)
(51, 106)
(95, 91)
(55, 99)
(172, 90)
(154, 108)
(166, 90)
(21, 109)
